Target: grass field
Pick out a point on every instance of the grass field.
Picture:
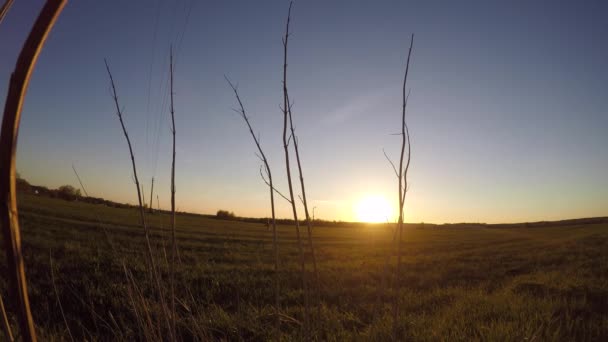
(457, 284)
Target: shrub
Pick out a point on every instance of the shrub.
(68, 192)
(225, 215)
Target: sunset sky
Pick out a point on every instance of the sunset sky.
(508, 111)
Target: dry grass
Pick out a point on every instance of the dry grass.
(458, 284)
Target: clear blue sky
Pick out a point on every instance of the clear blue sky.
(508, 110)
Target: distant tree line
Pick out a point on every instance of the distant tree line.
(64, 192)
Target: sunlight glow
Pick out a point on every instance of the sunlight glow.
(373, 209)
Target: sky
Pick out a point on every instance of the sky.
(507, 113)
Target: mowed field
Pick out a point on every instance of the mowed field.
(457, 283)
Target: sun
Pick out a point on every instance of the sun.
(373, 209)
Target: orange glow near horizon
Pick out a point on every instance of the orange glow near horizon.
(373, 209)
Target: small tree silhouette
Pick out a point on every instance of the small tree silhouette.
(225, 214)
(68, 192)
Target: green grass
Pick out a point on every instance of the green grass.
(457, 284)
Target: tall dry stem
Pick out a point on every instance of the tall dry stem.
(286, 139)
(305, 203)
(6, 327)
(146, 328)
(142, 215)
(243, 114)
(151, 206)
(402, 174)
(173, 245)
(17, 88)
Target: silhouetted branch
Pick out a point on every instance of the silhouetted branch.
(151, 207)
(140, 200)
(80, 181)
(264, 160)
(402, 192)
(173, 241)
(275, 189)
(407, 166)
(304, 203)
(391, 162)
(6, 327)
(285, 109)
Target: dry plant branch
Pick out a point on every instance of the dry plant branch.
(275, 189)
(405, 140)
(98, 218)
(143, 325)
(285, 109)
(17, 88)
(262, 156)
(305, 204)
(151, 207)
(6, 327)
(153, 269)
(173, 245)
(391, 162)
(387, 258)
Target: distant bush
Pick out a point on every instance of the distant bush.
(68, 192)
(225, 215)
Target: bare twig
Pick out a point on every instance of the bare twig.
(6, 327)
(286, 139)
(142, 215)
(151, 207)
(402, 191)
(391, 162)
(8, 146)
(173, 245)
(406, 185)
(101, 225)
(275, 190)
(80, 181)
(305, 204)
(262, 156)
(131, 284)
(389, 254)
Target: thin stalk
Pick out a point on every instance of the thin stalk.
(272, 207)
(289, 181)
(405, 140)
(130, 285)
(173, 245)
(142, 215)
(272, 187)
(9, 220)
(5, 325)
(385, 275)
(305, 203)
(151, 208)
